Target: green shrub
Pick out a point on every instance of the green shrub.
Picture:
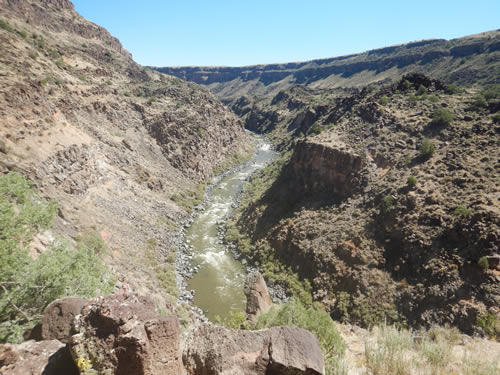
(483, 263)
(496, 118)
(462, 211)
(315, 129)
(489, 324)
(491, 92)
(387, 204)
(453, 89)
(412, 181)
(427, 149)
(293, 313)
(28, 285)
(5, 25)
(433, 98)
(422, 90)
(384, 100)
(479, 101)
(442, 117)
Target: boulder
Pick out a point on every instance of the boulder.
(58, 318)
(258, 299)
(49, 357)
(279, 350)
(122, 334)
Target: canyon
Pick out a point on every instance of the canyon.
(380, 210)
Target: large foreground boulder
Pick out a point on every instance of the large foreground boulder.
(215, 350)
(122, 334)
(58, 318)
(258, 299)
(49, 357)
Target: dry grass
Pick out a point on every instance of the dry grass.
(389, 350)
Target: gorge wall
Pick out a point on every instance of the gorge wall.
(468, 60)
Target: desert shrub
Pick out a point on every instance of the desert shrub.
(491, 92)
(28, 285)
(384, 100)
(462, 211)
(496, 118)
(235, 320)
(315, 129)
(453, 89)
(388, 204)
(387, 354)
(489, 324)
(479, 101)
(483, 263)
(293, 313)
(427, 149)
(412, 181)
(422, 90)
(5, 26)
(442, 117)
(433, 98)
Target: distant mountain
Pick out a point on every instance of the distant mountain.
(466, 61)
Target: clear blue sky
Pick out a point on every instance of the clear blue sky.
(238, 32)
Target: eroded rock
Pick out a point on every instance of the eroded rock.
(258, 299)
(121, 334)
(49, 357)
(58, 318)
(278, 350)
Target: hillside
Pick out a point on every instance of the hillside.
(473, 59)
(123, 151)
(384, 203)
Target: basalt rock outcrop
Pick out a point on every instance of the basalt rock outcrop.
(279, 350)
(324, 170)
(258, 298)
(49, 357)
(58, 317)
(122, 334)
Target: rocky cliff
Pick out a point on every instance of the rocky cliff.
(467, 60)
(123, 150)
(386, 201)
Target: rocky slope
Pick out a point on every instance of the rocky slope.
(122, 149)
(467, 60)
(382, 227)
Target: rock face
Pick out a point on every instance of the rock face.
(278, 350)
(324, 169)
(58, 318)
(49, 357)
(122, 334)
(258, 299)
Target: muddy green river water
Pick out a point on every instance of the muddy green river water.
(219, 282)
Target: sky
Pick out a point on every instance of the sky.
(238, 32)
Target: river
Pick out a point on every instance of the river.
(220, 279)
